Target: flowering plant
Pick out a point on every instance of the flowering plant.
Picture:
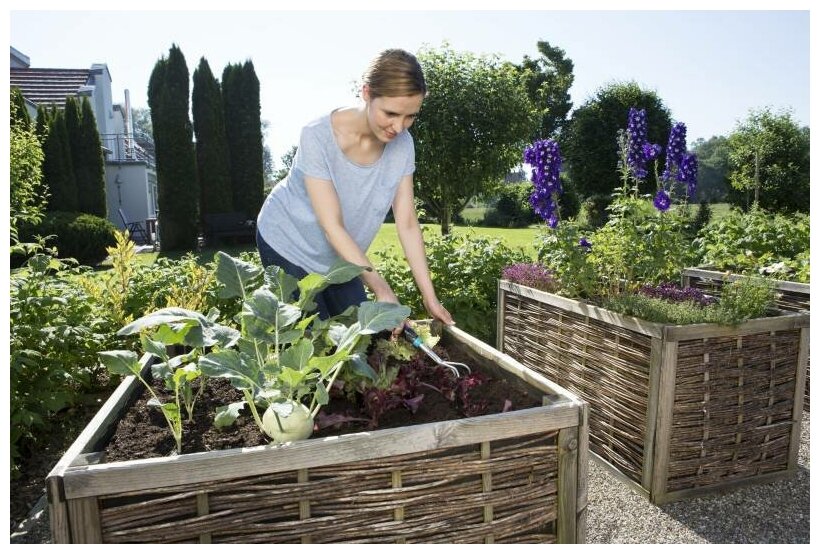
(531, 275)
(639, 244)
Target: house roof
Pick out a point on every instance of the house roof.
(49, 86)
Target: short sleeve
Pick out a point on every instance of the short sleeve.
(410, 166)
(310, 157)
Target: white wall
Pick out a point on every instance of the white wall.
(128, 186)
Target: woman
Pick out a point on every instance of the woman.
(350, 167)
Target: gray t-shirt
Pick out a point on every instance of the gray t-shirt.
(287, 221)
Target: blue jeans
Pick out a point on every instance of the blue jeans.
(332, 301)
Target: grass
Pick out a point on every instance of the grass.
(387, 238)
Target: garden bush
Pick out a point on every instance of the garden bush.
(465, 271)
(757, 241)
(511, 207)
(56, 330)
(83, 237)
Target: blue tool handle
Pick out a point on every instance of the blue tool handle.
(411, 335)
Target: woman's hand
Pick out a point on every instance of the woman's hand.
(437, 311)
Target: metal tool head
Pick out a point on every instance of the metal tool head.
(416, 341)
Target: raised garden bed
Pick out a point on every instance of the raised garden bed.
(792, 297)
(675, 410)
(517, 476)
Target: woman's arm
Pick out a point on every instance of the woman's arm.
(328, 212)
(412, 242)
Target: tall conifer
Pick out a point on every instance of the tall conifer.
(178, 190)
(211, 143)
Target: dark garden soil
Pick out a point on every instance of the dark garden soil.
(143, 432)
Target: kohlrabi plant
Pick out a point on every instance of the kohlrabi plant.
(163, 328)
(286, 359)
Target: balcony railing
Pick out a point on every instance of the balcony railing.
(129, 148)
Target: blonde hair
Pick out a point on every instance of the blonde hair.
(394, 72)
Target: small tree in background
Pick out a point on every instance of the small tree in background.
(211, 143)
(240, 96)
(58, 170)
(18, 112)
(471, 129)
(769, 156)
(590, 133)
(26, 199)
(548, 80)
(178, 190)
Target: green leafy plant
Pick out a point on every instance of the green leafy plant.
(286, 359)
(55, 332)
(757, 241)
(464, 270)
(171, 326)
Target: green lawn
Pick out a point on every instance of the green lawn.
(388, 238)
(513, 238)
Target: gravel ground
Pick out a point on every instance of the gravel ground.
(772, 513)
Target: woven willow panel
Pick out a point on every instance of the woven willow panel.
(607, 366)
(790, 301)
(733, 408)
(449, 495)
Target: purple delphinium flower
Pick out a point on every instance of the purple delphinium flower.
(584, 243)
(651, 151)
(662, 200)
(688, 173)
(530, 275)
(676, 293)
(636, 140)
(545, 158)
(675, 149)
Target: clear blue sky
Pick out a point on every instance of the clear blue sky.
(709, 67)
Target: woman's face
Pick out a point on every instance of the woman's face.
(390, 115)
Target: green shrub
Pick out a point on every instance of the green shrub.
(748, 242)
(511, 208)
(595, 209)
(83, 237)
(465, 270)
(55, 333)
(740, 301)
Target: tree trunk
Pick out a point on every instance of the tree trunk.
(445, 219)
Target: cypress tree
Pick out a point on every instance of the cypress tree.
(178, 190)
(19, 112)
(211, 143)
(41, 124)
(58, 171)
(91, 181)
(71, 113)
(243, 125)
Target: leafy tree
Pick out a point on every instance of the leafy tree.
(548, 80)
(18, 112)
(769, 156)
(58, 169)
(240, 96)
(713, 168)
(178, 190)
(26, 199)
(471, 130)
(589, 141)
(211, 143)
(287, 162)
(141, 121)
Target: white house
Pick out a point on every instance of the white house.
(130, 171)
